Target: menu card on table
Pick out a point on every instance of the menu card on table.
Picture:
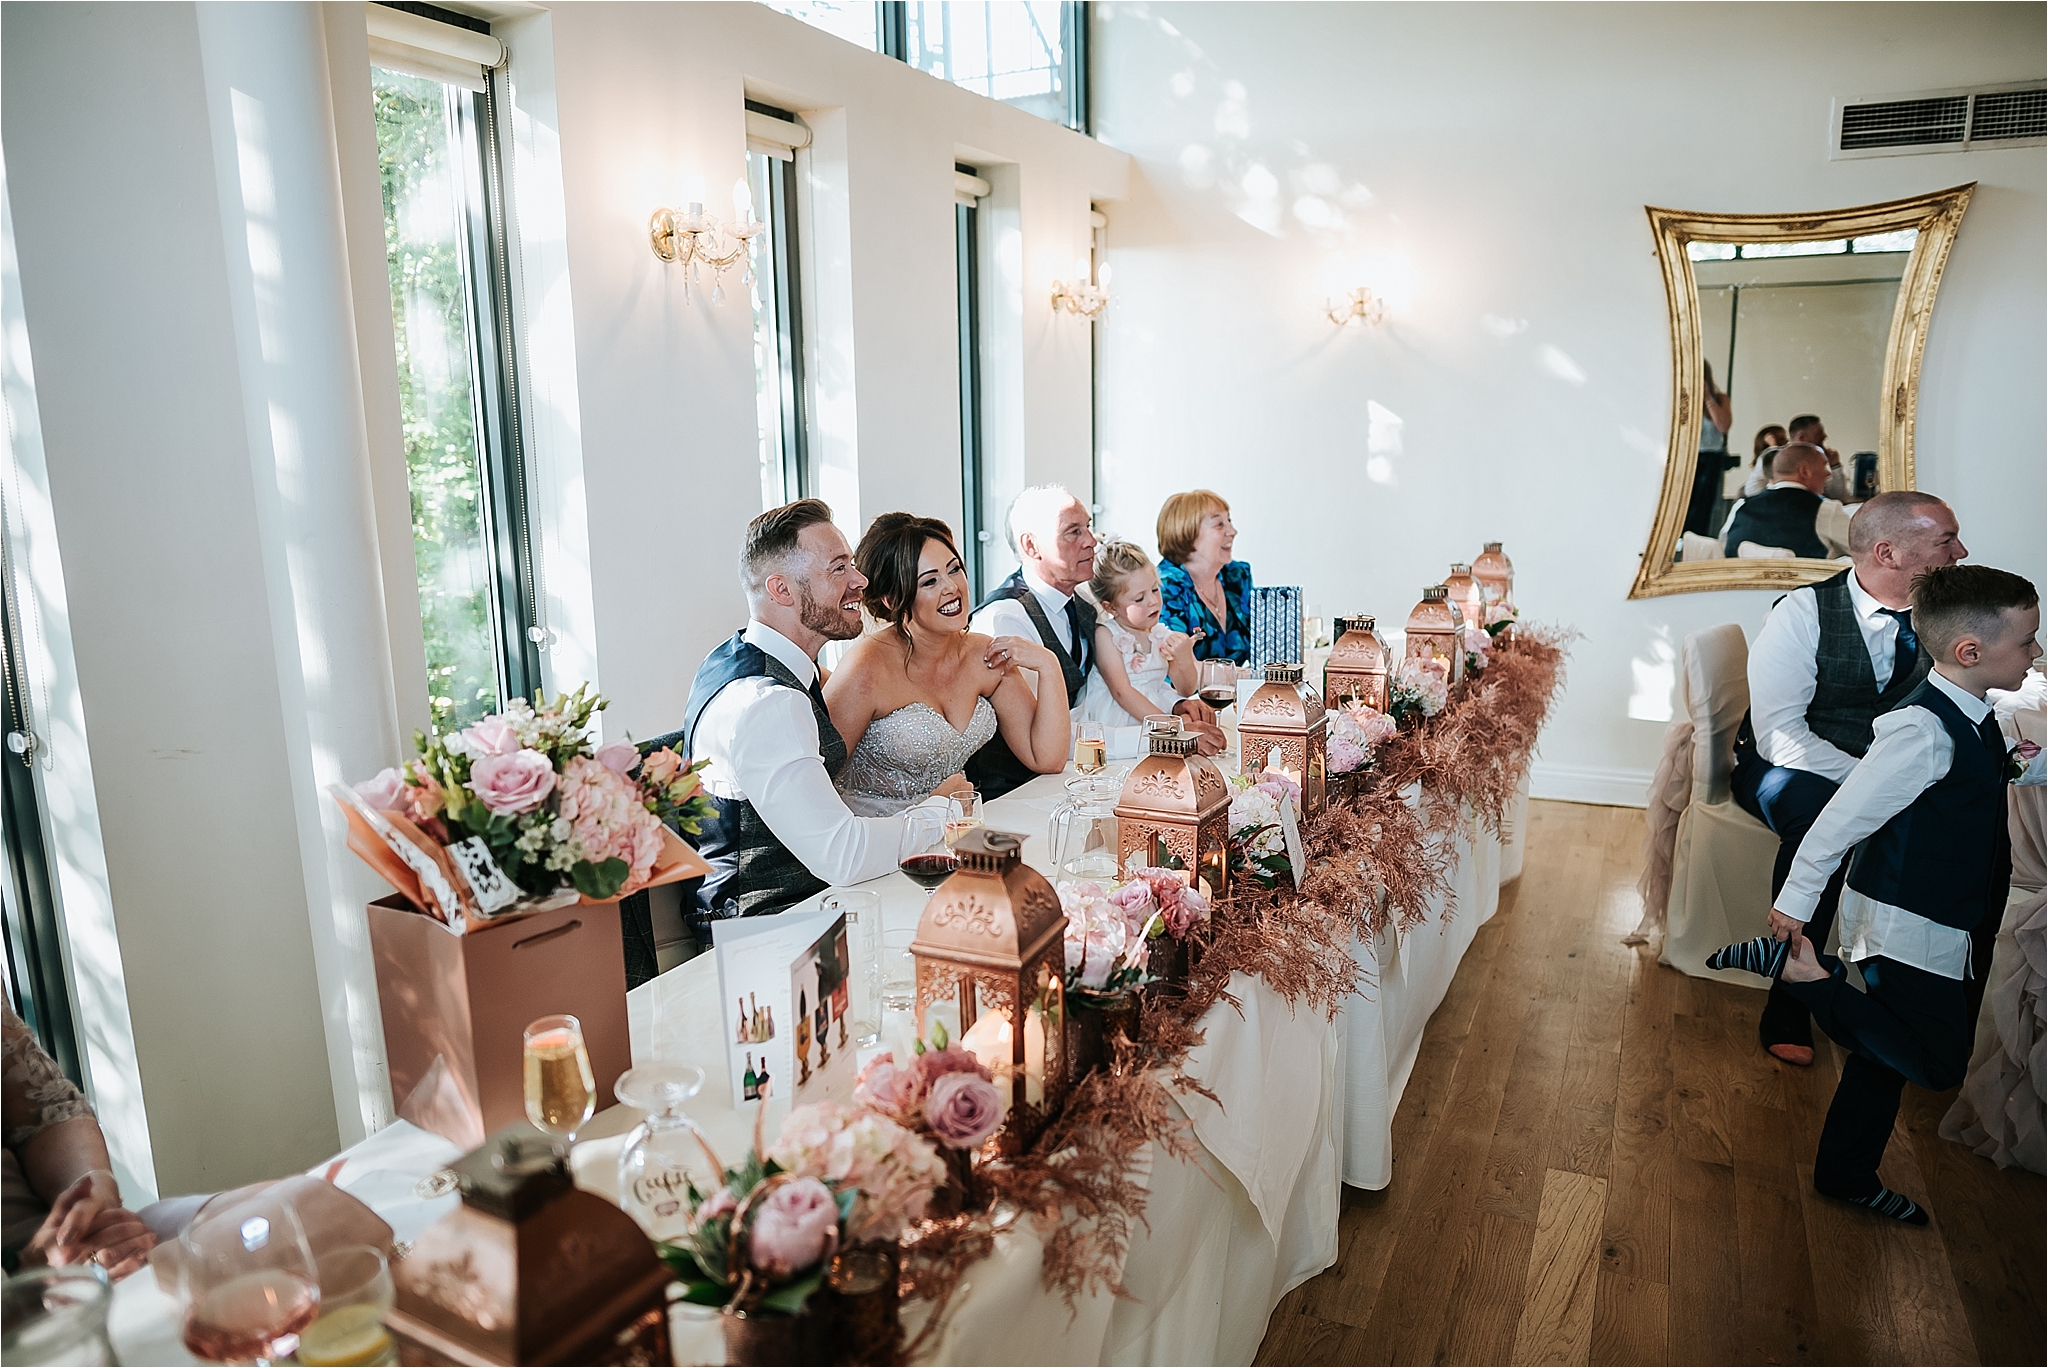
(783, 989)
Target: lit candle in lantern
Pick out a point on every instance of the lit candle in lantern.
(989, 1041)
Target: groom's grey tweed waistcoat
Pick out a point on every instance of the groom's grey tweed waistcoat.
(752, 872)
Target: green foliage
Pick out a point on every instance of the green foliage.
(424, 237)
(600, 881)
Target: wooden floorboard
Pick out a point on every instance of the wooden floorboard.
(1596, 1163)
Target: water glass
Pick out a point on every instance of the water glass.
(56, 1315)
(899, 992)
(355, 1296)
(862, 909)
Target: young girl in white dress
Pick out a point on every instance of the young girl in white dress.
(1142, 668)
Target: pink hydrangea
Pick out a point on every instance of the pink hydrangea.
(607, 817)
(894, 1170)
(963, 1110)
(795, 1227)
(512, 784)
(1345, 755)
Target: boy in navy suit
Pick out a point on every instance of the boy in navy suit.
(1927, 805)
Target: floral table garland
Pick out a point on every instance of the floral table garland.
(1373, 860)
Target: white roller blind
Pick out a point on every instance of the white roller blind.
(969, 189)
(419, 46)
(773, 137)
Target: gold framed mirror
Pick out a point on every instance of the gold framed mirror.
(1813, 314)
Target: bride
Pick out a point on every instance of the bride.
(919, 695)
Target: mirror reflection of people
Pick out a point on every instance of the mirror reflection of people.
(1762, 450)
(1713, 460)
(1791, 515)
(62, 1201)
(1831, 659)
(1809, 429)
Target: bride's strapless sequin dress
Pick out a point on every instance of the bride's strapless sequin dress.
(906, 754)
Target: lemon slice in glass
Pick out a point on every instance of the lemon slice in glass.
(347, 1336)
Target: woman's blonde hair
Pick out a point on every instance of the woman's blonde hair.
(1180, 522)
(1115, 562)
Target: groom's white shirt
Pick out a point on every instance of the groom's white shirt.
(762, 741)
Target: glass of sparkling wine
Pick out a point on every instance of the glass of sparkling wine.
(1090, 753)
(251, 1285)
(561, 1092)
(966, 819)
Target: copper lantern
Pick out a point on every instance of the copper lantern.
(1357, 667)
(1175, 808)
(993, 941)
(1436, 632)
(530, 1269)
(1465, 594)
(1283, 728)
(1496, 575)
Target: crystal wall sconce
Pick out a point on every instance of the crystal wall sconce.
(1357, 307)
(1080, 297)
(694, 239)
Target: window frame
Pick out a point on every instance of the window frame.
(782, 213)
(892, 32)
(967, 264)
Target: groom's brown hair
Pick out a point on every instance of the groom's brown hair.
(772, 539)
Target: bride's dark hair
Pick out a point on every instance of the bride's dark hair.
(888, 556)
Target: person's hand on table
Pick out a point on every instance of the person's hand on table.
(88, 1224)
(1197, 712)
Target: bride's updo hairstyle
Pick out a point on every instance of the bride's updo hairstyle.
(1115, 562)
(888, 556)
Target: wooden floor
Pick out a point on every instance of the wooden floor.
(1595, 1163)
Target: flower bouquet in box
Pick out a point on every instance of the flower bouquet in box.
(520, 812)
(806, 1215)
(1416, 691)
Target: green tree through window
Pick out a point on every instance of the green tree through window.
(425, 156)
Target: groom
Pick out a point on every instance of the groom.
(1050, 532)
(757, 713)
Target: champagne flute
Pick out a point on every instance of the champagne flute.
(1090, 753)
(967, 818)
(561, 1091)
(251, 1285)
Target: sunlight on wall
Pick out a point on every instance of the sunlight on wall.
(1654, 673)
(1382, 442)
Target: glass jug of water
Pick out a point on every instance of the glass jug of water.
(1083, 831)
(662, 1155)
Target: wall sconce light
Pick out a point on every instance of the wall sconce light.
(1081, 297)
(1357, 307)
(694, 239)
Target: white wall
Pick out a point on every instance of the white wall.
(1486, 167)
(649, 95)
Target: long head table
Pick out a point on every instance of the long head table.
(1303, 1104)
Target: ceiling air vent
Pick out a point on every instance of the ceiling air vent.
(2009, 115)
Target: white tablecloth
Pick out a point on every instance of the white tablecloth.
(1225, 1236)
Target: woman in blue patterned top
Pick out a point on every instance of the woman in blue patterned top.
(1203, 591)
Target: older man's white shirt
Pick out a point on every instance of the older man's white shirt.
(1784, 672)
(761, 738)
(1009, 617)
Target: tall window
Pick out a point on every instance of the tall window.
(779, 392)
(450, 307)
(35, 962)
(1029, 53)
(974, 531)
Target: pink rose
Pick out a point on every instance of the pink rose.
(661, 766)
(618, 756)
(719, 1203)
(963, 1110)
(386, 792)
(797, 1226)
(890, 1087)
(511, 784)
(492, 736)
(936, 1064)
(1345, 755)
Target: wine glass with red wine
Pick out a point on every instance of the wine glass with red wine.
(250, 1281)
(935, 862)
(1216, 684)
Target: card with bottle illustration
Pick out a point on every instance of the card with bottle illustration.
(782, 984)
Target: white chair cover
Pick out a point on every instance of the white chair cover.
(1693, 547)
(1717, 879)
(1999, 1111)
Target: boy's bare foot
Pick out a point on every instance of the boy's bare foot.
(1802, 965)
